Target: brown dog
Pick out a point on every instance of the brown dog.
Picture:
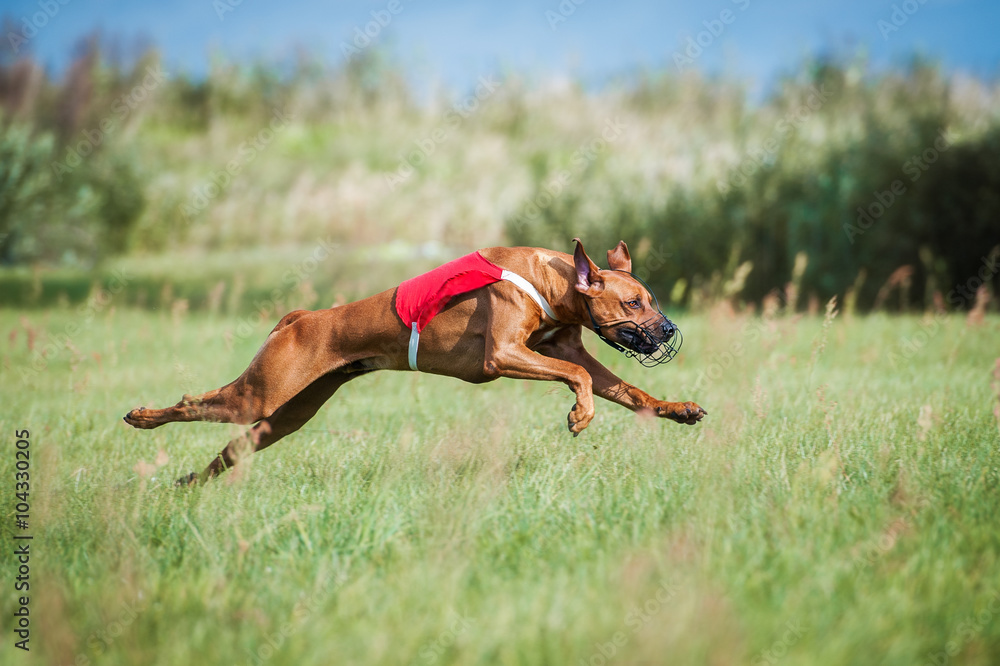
(496, 331)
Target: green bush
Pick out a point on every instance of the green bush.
(25, 182)
(55, 214)
(714, 191)
(873, 175)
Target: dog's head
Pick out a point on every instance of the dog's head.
(623, 310)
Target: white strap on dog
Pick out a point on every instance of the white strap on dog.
(414, 342)
(530, 290)
(510, 276)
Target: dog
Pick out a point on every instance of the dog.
(524, 321)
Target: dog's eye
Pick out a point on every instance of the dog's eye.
(634, 303)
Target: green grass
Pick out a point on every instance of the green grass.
(814, 517)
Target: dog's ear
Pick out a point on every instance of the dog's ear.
(619, 258)
(588, 277)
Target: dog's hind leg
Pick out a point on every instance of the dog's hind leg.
(235, 402)
(303, 347)
(296, 353)
(216, 405)
(284, 421)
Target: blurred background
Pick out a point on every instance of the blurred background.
(238, 156)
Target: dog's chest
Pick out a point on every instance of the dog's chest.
(546, 332)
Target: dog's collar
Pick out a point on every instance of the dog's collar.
(510, 276)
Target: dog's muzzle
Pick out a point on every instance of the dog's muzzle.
(649, 343)
(652, 342)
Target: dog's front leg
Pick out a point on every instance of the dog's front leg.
(568, 345)
(518, 362)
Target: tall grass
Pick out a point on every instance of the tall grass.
(836, 507)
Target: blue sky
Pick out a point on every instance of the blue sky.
(452, 43)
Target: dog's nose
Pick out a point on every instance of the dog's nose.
(668, 328)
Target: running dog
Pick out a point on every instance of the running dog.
(500, 312)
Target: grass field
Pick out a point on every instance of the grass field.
(838, 505)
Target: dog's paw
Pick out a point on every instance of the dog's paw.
(579, 418)
(187, 480)
(681, 412)
(139, 418)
